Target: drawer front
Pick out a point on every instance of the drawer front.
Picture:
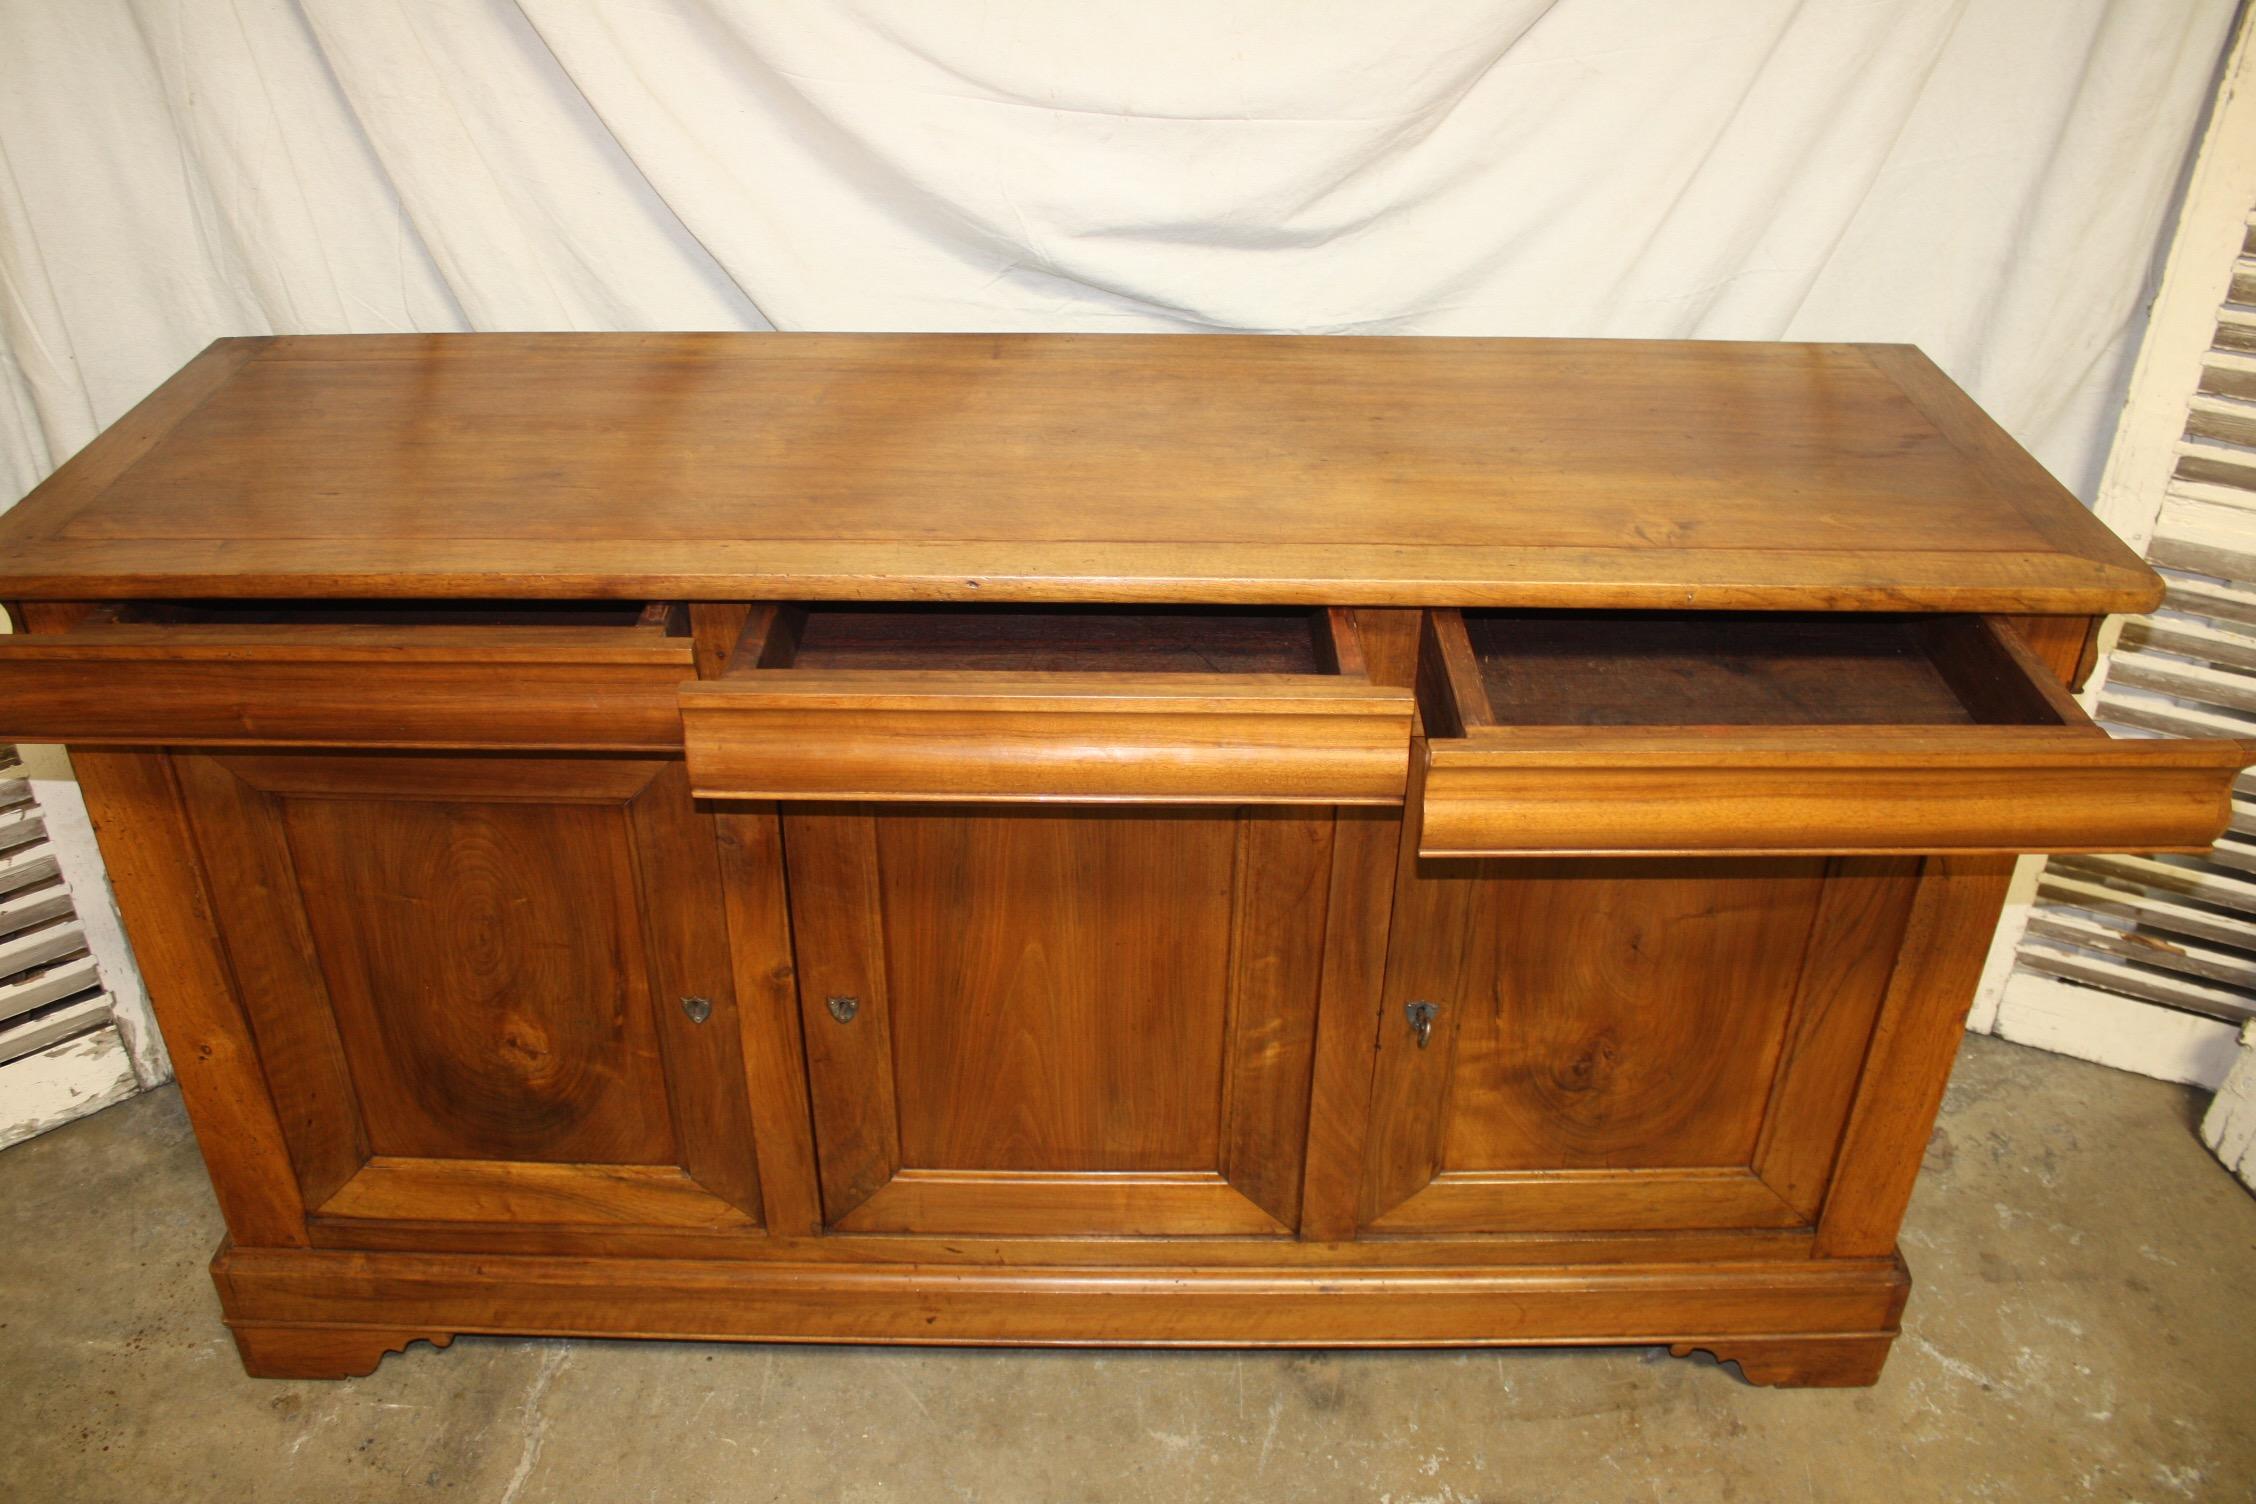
(783, 731)
(2018, 769)
(1049, 739)
(282, 684)
(1661, 793)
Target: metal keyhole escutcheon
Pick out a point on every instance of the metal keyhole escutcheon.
(1421, 1016)
(698, 1008)
(843, 1008)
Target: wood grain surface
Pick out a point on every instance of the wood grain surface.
(465, 980)
(1208, 706)
(1622, 1044)
(1233, 469)
(936, 838)
(1053, 1010)
(1604, 733)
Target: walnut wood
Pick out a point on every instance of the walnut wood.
(1665, 668)
(467, 1006)
(1229, 469)
(314, 685)
(1096, 714)
(1031, 640)
(759, 927)
(838, 943)
(150, 854)
(1803, 1362)
(1264, 1250)
(1137, 986)
(681, 911)
(394, 1189)
(1216, 707)
(81, 481)
(1921, 1022)
(1801, 778)
(322, 1352)
(1104, 1203)
(1365, 844)
(1186, 1306)
(1855, 938)
(1431, 933)
(1622, 1044)
(248, 858)
(715, 627)
(1995, 674)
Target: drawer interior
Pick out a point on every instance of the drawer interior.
(894, 638)
(1649, 668)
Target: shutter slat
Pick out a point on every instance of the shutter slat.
(20, 911)
(2227, 420)
(61, 1053)
(22, 869)
(38, 947)
(2217, 602)
(2130, 903)
(2131, 706)
(2198, 682)
(21, 828)
(2153, 950)
(2132, 980)
(28, 1036)
(40, 988)
(2204, 884)
(2240, 856)
(2190, 638)
(2217, 464)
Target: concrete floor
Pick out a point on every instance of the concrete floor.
(2084, 1327)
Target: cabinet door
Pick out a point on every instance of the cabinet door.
(1624, 1044)
(484, 990)
(1082, 1021)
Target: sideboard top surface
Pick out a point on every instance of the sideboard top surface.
(1373, 471)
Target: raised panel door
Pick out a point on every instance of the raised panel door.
(1072, 1021)
(484, 989)
(1624, 1044)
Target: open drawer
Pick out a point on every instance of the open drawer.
(593, 675)
(1148, 704)
(1646, 732)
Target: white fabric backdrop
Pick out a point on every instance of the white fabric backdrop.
(1987, 178)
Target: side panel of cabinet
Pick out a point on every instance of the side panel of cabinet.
(1625, 1044)
(1081, 1021)
(483, 990)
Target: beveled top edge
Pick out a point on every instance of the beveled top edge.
(2084, 569)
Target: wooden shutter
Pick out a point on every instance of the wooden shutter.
(61, 1055)
(2181, 931)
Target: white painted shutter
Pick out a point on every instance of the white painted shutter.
(61, 1055)
(2176, 930)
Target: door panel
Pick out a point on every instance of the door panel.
(1625, 1043)
(1039, 1039)
(467, 978)
(1076, 1021)
(487, 977)
(1647, 1004)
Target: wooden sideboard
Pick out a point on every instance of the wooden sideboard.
(1055, 839)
